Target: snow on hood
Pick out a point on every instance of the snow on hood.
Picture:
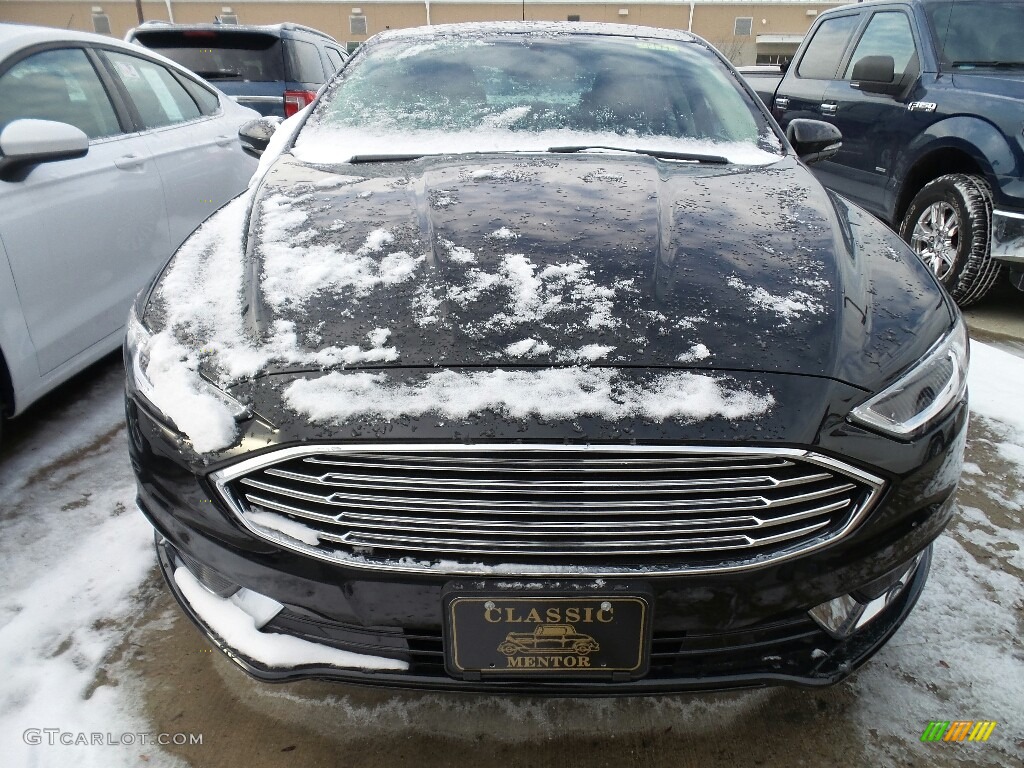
(551, 393)
(617, 260)
(552, 264)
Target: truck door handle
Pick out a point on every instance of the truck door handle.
(224, 140)
(781, 103)
(828, 108)
(130, 162)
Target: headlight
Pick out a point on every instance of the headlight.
(165, 374)
(137, 348)
(924, 393)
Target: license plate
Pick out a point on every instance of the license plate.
(546, 633)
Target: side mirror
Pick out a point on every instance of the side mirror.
(255, 134)
(27, 142)
(814, 140)
(875, 74)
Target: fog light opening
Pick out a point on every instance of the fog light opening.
(260, 608)
(838, 616)
(844, 615)
(207, 577)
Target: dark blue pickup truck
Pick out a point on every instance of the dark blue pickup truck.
(929, 97)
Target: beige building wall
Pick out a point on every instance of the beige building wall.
(715, 20)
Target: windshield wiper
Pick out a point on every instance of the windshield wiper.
(660, 154)
(355, 159)
(993, 64)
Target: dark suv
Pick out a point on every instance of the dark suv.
(275, 69)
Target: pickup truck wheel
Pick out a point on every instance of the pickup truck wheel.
(948, 225)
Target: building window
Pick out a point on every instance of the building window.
(357, 25)
(744, 26)
(101, 23)
(780, 59)
(574, 17)
(228, 18)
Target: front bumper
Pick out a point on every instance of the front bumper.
(710, 631)
(793, 651)
(1008, 237)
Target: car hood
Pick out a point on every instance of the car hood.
(1007, 84)
(610, 259)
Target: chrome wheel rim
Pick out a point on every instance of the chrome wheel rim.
(936, 238)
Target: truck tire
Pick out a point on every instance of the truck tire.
(948, 225)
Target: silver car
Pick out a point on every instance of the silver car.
(109, 157)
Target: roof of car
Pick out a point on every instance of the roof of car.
(151, 26)
(20, 35)
(14, 37)
(536, 27)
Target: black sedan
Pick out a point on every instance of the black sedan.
(545, 331)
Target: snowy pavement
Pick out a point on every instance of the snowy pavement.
(93, 644)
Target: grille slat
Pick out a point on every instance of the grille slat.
(483, 464)
(532, 528)
(422, 504)
(541, 487)
(487, 546)
(607, 509)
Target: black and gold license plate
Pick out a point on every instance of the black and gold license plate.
(547, 633)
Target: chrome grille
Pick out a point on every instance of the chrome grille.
(536, 510)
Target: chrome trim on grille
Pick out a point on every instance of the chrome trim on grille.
(433, 514)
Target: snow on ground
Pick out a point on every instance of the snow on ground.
(75, 554)
(76, 557)
(996, 382)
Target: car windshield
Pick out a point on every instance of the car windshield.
(978, 33)
(530, 92)
(245, 56)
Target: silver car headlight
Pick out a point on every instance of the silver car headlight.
(923, 394)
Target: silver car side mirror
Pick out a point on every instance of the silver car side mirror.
(26, 142)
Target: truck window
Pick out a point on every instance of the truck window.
(821, 59)
(888, 34)
(977, 33)
(304, 63)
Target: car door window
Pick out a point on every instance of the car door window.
(821, 59)
(159, 98)
(205, 98)
(888, 34)
(304, 62)
(59, 85)
(335, 57)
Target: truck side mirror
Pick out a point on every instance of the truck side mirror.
(814, 140)
(875, 74)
